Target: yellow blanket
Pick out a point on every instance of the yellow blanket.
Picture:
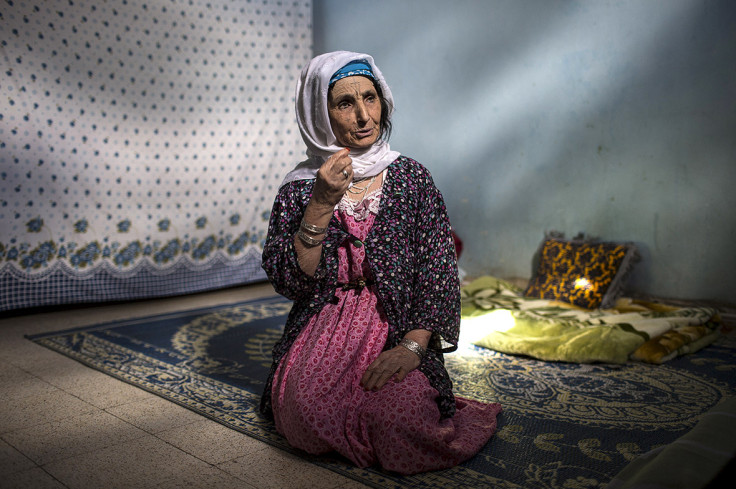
(497, 316)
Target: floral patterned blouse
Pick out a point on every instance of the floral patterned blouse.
(411, 254)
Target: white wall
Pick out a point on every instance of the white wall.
(616, 118)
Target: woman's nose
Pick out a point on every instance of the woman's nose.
(361, 113)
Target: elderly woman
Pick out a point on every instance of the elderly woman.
(360, 240)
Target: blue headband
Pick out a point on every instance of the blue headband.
(357, 67)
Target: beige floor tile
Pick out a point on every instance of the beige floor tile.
(211, 442)
(10, 337)
(271, 468)
(71, 376)
(23, 353)
(16, 414)
(36, 359)
(15, 383)
(8, 371)
(140, 464)
(35, 478)
(155, 414)
(208, 477)
(72, 436)
(92, 386)
(12, 461)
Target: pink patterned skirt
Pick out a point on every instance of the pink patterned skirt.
(320, 407)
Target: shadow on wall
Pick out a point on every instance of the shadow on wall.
(615, 119)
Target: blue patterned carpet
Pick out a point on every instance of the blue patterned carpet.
(563, 426)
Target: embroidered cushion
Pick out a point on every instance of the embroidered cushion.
(588, 274)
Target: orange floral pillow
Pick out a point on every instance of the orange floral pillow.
(587, 274)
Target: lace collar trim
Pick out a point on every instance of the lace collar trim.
(359, 210)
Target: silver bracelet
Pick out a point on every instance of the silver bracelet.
(312, 228)
(413, 347)
(307, 239)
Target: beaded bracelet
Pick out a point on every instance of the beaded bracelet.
(413, 347)
(312, 228)
(307, 239)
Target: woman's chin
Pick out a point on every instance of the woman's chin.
(360, 144)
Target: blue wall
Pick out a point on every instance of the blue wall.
(617, 119)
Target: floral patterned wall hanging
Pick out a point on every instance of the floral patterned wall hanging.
(142, 143)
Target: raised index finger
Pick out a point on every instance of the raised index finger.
(340, 155)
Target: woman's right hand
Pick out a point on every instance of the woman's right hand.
(329, 188)
(332, 181)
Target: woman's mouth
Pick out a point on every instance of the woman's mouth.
(364, 133)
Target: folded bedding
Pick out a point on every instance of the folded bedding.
(497, 315)
(693, 461)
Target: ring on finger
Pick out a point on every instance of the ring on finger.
(345, 173)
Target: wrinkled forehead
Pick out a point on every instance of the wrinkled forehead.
(356, 86)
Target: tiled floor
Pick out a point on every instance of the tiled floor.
(65, 425)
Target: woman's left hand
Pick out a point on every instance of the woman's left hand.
(396, 362)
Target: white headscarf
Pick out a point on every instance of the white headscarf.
(314, 120)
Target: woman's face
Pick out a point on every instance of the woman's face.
(355, 112)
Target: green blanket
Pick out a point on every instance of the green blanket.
(497, 316)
